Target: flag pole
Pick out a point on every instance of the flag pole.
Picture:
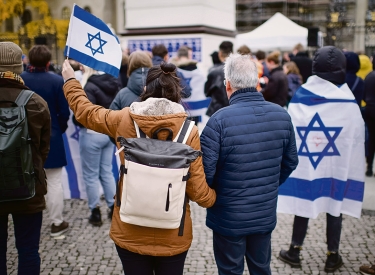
(69, 31)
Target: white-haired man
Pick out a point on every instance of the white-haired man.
(248, 149)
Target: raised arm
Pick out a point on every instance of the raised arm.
(91, 116)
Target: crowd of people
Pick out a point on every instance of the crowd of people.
(249, 147)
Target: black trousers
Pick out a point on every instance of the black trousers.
(333, 231)
(370, 122)
(137, 264)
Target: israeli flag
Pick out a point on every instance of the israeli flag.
(330, 137)
(196, 105)
(91, 42)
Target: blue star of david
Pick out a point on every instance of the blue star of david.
(101, 43)
(329, 150)
(75, 135)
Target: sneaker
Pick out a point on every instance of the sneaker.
(57, 230)
(110, 213)
(334, 261)
(367, 269)
(291, 256)
(96, 218)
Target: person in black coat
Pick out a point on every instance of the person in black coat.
(355, 83)
(214, 86)
(276, 90)
(303, 62)
(369, 97)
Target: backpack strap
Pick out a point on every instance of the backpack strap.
(140, 133)
(182, 223)
(355, 84)
(23, 97)
(184, 132)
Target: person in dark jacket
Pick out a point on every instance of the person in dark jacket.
(294, 78)
(27, 214)
(249, 150)
(123, 75)
(276, 90)
(355, 83)
(369, 98)
(214, 86)
(139, 63)
(160, 54)
(96, 149)
(303, 62)
(329, 64)
(49, 87)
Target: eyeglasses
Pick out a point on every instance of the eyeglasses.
(225, 82)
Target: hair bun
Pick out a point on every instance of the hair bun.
(167, 67)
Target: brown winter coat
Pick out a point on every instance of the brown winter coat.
(138, 239)
(39, 122)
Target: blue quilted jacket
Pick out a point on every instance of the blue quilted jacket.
(249, 149)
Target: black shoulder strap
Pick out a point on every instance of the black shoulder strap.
(184, 130)
(24, 97)
(182, 223)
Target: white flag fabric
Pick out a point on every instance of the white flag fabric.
(196, 105)
(330, 137)
(91, 42)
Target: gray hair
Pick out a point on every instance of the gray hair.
(241, 71)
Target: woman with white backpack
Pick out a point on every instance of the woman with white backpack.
(161, 171)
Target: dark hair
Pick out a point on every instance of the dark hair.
(260, 55)
(183, 52)
(159, 50)
(226, 47)
(39, 56)
(162, 82)
(215, 58)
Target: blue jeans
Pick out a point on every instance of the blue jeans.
(96, 158)
(230, 252)
(27, 234)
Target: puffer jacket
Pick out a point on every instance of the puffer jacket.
(102, 89)
(138, 239)
(214, 88)
(249, 149)
(130, 93)
(39, 124)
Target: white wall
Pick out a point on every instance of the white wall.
(172, 13)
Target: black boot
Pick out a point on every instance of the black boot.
(334, 261)
(369, 172)
(291, 256)
(96, 217)
(110, 213)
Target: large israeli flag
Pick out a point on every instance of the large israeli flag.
(330, 138)
(91, 42)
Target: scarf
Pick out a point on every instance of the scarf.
(12, 76)
(32, 69)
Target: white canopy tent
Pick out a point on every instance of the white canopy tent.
(277, 33)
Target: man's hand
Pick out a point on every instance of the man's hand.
(67, 70)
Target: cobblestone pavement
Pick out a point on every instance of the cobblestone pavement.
(89, 250)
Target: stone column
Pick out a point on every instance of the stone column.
(360, 15)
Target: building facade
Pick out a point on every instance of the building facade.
(346, 24)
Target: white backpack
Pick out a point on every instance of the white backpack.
(154, 178)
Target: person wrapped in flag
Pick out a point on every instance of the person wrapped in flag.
(330, 141)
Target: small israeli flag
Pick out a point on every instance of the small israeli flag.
(330, 137)
(91, 42)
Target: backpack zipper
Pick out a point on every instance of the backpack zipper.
(169, 197)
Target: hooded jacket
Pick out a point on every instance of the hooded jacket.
(355, 83)
(101, 89)
(132, 91)
(330, 64)
(365, 66)
(39, 124)
(139, 239)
